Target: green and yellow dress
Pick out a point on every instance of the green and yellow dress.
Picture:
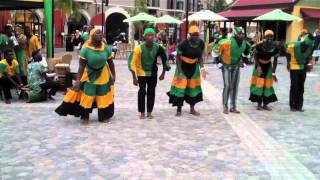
(189, 88)
(97, 87)
(261, 90)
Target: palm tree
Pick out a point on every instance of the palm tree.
(69, 8)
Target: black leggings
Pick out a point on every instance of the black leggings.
(151, 82)
(6, 85)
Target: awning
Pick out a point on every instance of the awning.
(311, 13)
(246, 14)
(97, 20)
(21, 4)
(261, 2)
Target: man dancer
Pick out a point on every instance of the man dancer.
(298, 63)
(143, 65)
(230, 51)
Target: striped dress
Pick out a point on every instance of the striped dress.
(189, 88)
(261, 89)
(97, 88)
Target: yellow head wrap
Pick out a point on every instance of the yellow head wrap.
(194, 29)
(88, 42)
(268, 33)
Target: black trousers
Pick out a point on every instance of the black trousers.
(298, 77)
(6, 85)
(52, 85)
(150, 84)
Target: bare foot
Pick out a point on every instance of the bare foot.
(142, 116)
(84, 121)
(234, 110)
(195, 113)
(259, 108)
(50, 98)
(7, 101)
(267, 108)
(178, 114)
(225, 111)
(150, 116)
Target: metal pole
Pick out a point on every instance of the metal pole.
(102, 18)
(53, 29)
(187, 21)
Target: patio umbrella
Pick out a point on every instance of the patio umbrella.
(277, 15)
(206, 15)
(168, 20)
(141, 17)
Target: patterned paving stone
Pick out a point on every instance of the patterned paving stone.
(36, 143)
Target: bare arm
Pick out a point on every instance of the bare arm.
(82, 65)
(112, 68)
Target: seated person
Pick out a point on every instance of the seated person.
(38, 82)
(10, 76)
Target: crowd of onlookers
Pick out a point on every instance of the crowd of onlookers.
(22, 66)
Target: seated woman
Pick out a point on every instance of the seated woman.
(38, 82)
(10, 76)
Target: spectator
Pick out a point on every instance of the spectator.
(33, 43)
(10, 75)
(38, 82)
(303, 33)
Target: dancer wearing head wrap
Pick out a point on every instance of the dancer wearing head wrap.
(231, 51)
(186, 84)
(95, 83)
(298, 63)
(261, 90)
(143, 66)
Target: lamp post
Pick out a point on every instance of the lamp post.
(102, 16)
(187, 21)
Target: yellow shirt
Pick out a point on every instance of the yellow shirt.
(33, 45)
(12, 69)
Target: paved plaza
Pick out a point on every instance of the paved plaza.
(36, 143)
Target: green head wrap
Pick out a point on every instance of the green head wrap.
(307, 40)
(148, 31)
(217, 35)
(237, 30)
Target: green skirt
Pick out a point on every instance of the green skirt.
(261, 90)
(21, 54)
(189, 88)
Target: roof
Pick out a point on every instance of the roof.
(245, 14)
(97, 20)
(311, 12)
(260, 2)
(21, 4)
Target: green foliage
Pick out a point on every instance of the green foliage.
(69, 7)
(140, 6)
(217, 5)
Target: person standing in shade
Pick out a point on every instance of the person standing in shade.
(231, 52)
(33, 43)
(143, 66)
(298, 63)
(94, 86)
(21, 49)
(186, 84)
(261, 90)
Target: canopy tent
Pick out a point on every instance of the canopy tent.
(277, 15)
(141, 17)
(168, 20)
(206, 15)
(35, 4)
